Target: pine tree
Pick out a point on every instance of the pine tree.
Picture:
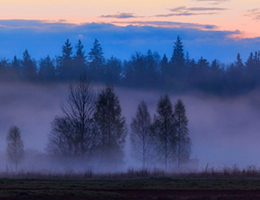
(179, 71)
(239, 63)
(15, 148)
(79, 60)
(111, 125)
(28, 66)
(178, 55)
(65, 62)
(183, 142)
(96, 61)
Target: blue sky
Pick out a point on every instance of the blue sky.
(45, 38)
(209, 28)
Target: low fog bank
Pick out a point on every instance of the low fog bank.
(223, 131)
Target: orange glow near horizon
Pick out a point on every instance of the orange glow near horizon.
(226, 15)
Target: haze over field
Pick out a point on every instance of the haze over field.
(223, 131)
(213, 67)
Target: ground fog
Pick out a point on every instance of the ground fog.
(223, 131)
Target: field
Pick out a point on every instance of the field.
(132, 185)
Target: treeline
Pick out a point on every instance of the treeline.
(179, 73)
(92, 130)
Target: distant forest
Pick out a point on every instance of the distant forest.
(177, 74)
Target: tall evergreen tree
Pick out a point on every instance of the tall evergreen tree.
(28, 66)
(111, 125)
(178, 53)
(96, 61)
(65, 62)
(79, 60)
(239, 63)
(179, 70)
(183, 142)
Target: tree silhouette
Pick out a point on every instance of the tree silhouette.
(164, 130)
(47, 70)
(79, 60)
(74, 133)
(96, 61)
(113, 71)
(135, 71)
(179, 70)
(178, 54)
(183, 142)
(65, 62)
(15, 148)
(141, 137)
(28, 67)
(166, 78)
(111, 126)
(16, 66)
(152, 61)
(142, 71)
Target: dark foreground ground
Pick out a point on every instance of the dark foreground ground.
(134, 188)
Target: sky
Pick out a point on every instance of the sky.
(210, 28)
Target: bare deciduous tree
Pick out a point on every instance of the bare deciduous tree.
(141, 138)
(74, 133)
(15, 148)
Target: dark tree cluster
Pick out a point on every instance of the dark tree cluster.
(179, 73)
(166, 139)
(92, 128)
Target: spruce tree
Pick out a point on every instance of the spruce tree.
(65, 64)
(28, 66)
(178, 54)
(96, 61)
(79, 60)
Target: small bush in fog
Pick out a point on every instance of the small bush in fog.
(15, 148)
